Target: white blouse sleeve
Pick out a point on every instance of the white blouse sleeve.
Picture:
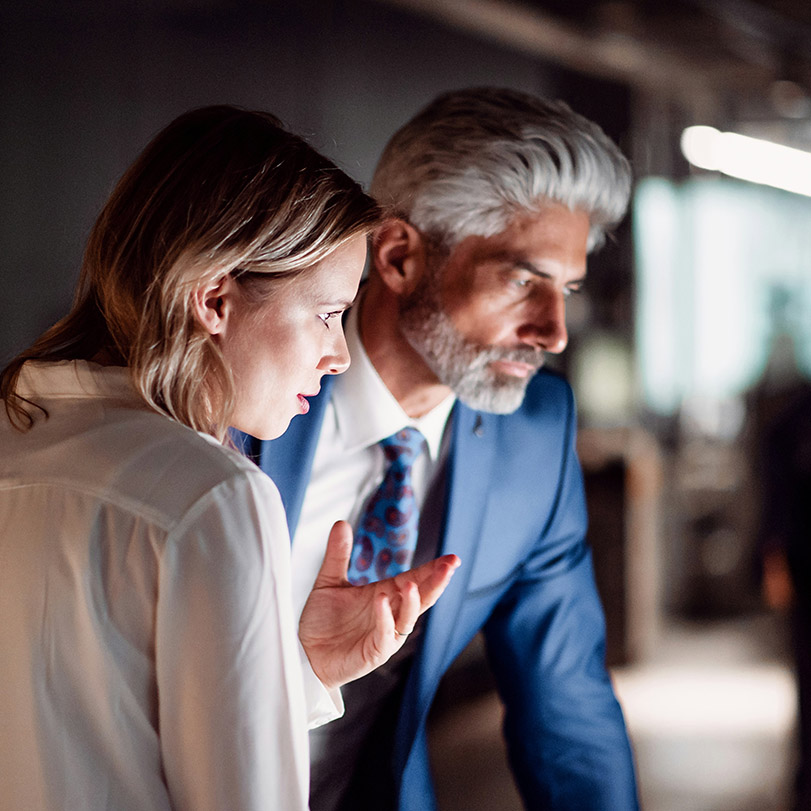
(233, 696)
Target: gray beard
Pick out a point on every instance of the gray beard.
(459, 363)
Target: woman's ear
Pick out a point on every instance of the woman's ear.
(212, 304)
(398, 255)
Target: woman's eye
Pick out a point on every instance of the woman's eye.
(327, 317)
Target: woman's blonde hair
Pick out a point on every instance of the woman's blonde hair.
(220, 190)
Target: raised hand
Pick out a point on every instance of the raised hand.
(347, 631)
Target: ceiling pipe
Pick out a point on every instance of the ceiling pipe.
(611, 55)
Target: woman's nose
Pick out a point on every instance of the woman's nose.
(338, 360)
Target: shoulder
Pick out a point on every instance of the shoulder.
(545, 424)
(548, 391)
(188, 467)
(548, 403)
(546, 420)
(119, 454)
(211, 503)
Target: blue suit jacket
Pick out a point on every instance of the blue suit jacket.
(516, 517)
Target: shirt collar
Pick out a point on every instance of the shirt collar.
(75, 378)
(366, 411)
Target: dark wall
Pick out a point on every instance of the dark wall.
(85, 84)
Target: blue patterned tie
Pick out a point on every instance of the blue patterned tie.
(387, 533)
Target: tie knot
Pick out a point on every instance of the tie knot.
(404, 446)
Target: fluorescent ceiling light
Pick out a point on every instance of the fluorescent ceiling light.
(748, 158)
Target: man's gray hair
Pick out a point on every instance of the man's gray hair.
(474, 159)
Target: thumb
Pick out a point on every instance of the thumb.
(336, 558)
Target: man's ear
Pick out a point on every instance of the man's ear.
(398, 254)
(212, 304)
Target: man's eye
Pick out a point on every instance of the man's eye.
(522, 282)
(571, 291)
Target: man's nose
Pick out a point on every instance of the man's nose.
(545, 326)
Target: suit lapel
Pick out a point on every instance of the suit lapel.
(471, 459)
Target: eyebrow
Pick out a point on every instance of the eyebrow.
(341, 304)
(525, 264)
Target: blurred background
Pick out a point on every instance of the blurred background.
(692, 336)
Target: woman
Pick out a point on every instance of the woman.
(149, 655)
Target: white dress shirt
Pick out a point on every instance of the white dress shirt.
(148, 652)
(349, 463)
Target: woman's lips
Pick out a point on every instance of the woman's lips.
(303, 404)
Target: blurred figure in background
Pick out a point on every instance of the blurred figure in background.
(779, 417)
(494, 199)
(785, 536)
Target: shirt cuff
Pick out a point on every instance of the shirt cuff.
(323, 705)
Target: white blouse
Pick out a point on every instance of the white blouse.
(148, 652)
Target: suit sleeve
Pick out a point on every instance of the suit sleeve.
(565, 733)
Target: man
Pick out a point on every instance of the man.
(495, 198)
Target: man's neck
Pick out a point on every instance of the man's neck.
(400, 367)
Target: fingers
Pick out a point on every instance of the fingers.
(433, 587)
(336, 558)
(409, 610)
(431, 578)
(385, 622)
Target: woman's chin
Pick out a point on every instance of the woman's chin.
(266, 431)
